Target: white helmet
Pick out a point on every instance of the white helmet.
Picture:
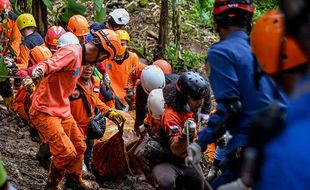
(152, 77)
(67, 38)
(156, 103)
(120, 16)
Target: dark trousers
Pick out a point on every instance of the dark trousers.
(169, 177)
(89, 153)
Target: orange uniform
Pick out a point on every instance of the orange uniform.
(29, 43)
(119, 74)
(77, 107)
(50, 109)
(52, 93)
(173, 122)
(134, 76)
(12, 34)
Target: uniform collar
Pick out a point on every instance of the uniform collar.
(240, 33)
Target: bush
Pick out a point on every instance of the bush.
(187, 60)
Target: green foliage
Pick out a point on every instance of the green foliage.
(100, 10)
(262, 6)
(189, 60)
(204, 9)
(49, 5)
(71, 7)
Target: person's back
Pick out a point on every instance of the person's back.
(232, 74)
(27, 25)
(286, 156)
(119, 73)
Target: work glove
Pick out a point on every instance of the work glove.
(37, 74)
(9, 61)
(116, 117)
(107, 80)
(235, 185)
(193, 154)
(224, 140)
(28, 84)
(212, 174)
(203, 118)
(189, 128)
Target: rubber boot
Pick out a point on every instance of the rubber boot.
(54, 177)
(8, 102)
(76, 182)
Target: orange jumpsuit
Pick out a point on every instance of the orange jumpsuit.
(13, 36)
(77, 107)
(50, 109)
(28, 44)
(134, 76)
(119, 74)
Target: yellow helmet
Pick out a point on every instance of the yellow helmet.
(123, 35)
(25, 20)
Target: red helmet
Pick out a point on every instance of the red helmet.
(53, 34)
(5, 5)
(223, 5)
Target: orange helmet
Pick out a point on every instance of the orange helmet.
(53, 34)
(5, 5)
(40, 53)
(110, 43)
(78, 25)
(164, 65)
(275, 52)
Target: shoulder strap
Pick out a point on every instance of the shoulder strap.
(85, 103)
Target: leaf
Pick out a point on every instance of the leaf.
(98, 5)
(72, 8)
(76, 8)
(100, 16)
(49, 5)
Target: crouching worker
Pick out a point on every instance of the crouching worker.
(50, 109)
(83, 103)
(178, 129)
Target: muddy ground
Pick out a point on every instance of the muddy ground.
(18, 153)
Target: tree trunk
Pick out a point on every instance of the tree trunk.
(163, 31)
(39, 12)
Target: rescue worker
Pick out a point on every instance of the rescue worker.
(132, 83)
(10, 33)
(183, 98)
(10, 39)
(119, 70)
(43, 155)
(150, 80)
(22, 99)
(238, 96)
(32, 39)
(152, 77)
(287, 60)
(52, 36)
(90, 85)
(115, 20)
(79, 26)
(50, 108)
